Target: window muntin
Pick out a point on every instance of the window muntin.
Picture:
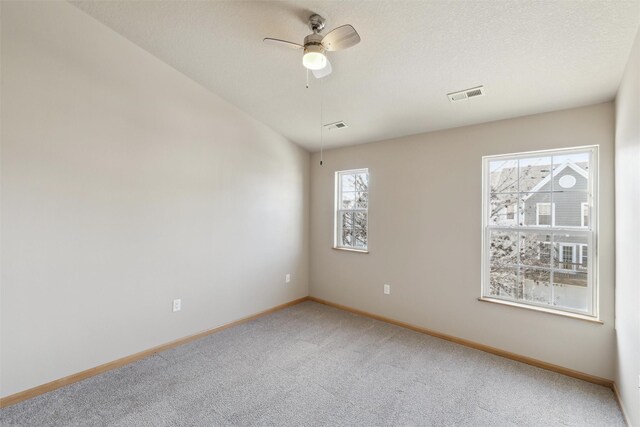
(541, 257)
(352, 209)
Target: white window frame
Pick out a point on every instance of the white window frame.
(590, 231)
(338, 211)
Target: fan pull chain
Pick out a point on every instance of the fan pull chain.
(307, 77)
(321, 102)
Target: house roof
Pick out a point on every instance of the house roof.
(556, 171)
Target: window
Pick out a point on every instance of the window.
(584, 257)
(584, 207)
(567, 254)
(352, 210)
(541, 257)
(544, 214)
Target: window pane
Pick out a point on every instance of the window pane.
(360, 235)
(535, 249)
(568, 212)
(533, 172)
(347, 220)
(347, 237)
(503, 206)
(362, 182)
(360, 219)
(348, 182)
(571, 174)
(362, 200)
(536, 285)
(503, 176)
(544, 209)
(571, 290)
(581, 160)
(503, 248)
(503, 282)
(348, 200)
(566, 248)
(536, 209)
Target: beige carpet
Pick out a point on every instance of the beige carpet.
(314, 365)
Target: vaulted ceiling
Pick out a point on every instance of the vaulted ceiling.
(531, 56)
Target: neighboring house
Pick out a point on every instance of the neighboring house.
(547, 199)
(568, 207)
(570, 199)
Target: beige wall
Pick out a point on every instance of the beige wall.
(627, 155)
(126, 185)
(425, 230)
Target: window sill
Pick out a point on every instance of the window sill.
(362, 251)
(543, 310)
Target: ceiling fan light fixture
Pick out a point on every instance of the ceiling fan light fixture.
(314, 58)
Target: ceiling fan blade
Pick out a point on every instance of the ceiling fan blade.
(341, 38)
(324, 72)
(278, 42)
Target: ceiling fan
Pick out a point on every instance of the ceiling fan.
(315, 45)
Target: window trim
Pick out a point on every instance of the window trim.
(592, 233)
(337, 210)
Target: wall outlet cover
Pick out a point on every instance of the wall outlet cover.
(177, 305)
(386, 289)
(287, 278)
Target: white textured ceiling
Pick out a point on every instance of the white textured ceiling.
(531, 56)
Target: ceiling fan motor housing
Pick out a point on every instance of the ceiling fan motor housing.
(313, 40)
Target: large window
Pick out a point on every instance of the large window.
(543, 257)
(352, 209)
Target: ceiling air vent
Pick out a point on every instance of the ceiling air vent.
(466, 94)
(336, 125)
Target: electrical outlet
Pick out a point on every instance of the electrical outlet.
(177, 305)
(386, 289)
(287, 278)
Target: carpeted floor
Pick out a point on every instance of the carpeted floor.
(314, 365)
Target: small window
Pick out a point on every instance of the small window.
(567, 257)
(538, 230)
(584, 207)
(584, 256)
(352, 210)
(544, 214)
